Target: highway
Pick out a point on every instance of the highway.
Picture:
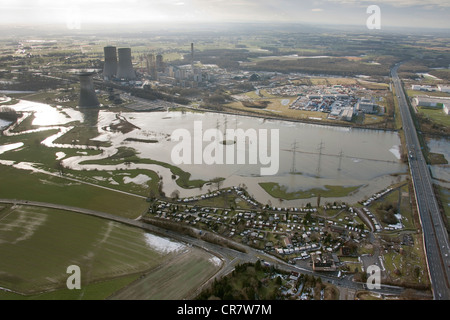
(435, 235)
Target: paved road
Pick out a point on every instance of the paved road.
(434, 232)
(230, 257)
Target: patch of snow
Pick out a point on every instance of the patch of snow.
(163, 245)
(215, 261)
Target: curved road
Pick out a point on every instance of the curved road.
(434, 232)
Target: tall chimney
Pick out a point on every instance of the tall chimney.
(110, 67)
(125, 69)
(88, 98)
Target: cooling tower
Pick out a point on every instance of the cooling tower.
(125, 69)
(88, 98)
(110, 67)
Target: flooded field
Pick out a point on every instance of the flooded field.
(306, 156)
(441, 172)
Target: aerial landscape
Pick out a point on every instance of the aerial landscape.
(224, 150)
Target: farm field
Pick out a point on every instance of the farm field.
(436, 115)
(176, 280)
(41, 243)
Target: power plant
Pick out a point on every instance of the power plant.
(125, 69)
(88, 97)
(110, 66)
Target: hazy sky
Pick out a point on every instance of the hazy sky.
(75, 13)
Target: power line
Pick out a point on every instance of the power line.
(320, 156)
(340, 160)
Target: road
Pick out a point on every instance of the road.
(230, 257)
(434, 232)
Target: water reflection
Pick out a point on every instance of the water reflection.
(324, 155)
(90, 116)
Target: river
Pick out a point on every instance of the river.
(324, 155)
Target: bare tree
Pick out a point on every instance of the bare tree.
(175, 195)
(218, 182)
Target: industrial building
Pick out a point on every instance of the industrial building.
(443, 88)
(125, 68)
(417, 87)
(366, 106)
(151, 66)
(88, 97)
(110, 66)
(430, 102)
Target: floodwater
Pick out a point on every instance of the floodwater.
(9, 147)
(4, 124)
(441, 172)
(46, 115)
(324, 155)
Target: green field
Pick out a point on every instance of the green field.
(436, 115)
(444, 195)
(25, 185)
(41, 243)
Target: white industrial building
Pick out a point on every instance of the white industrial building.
(366, 106)
(418, 87)
(443, 88)
(430, 102)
